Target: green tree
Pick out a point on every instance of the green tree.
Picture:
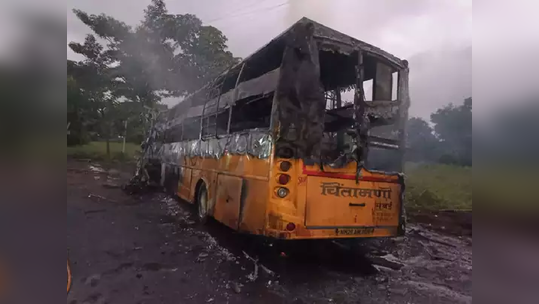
(166, 54)
(453, 126)
(422, 144)
(94, 78)
(79, 114)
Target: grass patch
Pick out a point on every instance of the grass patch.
(438, 187)
(98, 151)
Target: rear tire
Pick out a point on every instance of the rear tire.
(202, 204)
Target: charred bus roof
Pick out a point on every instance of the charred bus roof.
(268, 57)
(329, 40)
(284, 87)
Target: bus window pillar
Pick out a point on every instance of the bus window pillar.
(403, 96)
(234, 99)
(360, 108)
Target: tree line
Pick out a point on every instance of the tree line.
(127, 70)
(448, 140)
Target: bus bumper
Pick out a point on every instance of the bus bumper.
(335, 233)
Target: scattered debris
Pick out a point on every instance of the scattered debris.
(99, 197)
(388, 261)
(171, 270)
(432, 252)
(381, 279)
(422, 264)
(267, 270)
(95, 211)
(96, 169)
(111, 185)
(431, 238)
(253, 276)
(236, 287)
(202, 257)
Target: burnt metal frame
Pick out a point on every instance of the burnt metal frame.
(328, 39)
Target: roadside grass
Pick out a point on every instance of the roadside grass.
(98, 151)
(437, 187)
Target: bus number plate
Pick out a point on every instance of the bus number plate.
(356, 231)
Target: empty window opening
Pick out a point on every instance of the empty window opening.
(338, 78)
(215, 124)
(395, 89)
(173, 134)
(382, 82)
(368, 88)
(191, 128)
(338, 73)
(382, 159)
(230, 80)
(251, 113)
(265, 60)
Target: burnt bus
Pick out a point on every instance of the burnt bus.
(304, 139)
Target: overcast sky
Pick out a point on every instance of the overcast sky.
(435, 35)
(404, 28)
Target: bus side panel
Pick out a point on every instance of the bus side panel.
(184, 189)
(253, 206)
(227, 200)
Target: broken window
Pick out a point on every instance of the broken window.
(253, 85)
(339, 77)
(384, 139)
(252, 113)
(191, 128)
(384, 149)
(265, 60)
(173, 134)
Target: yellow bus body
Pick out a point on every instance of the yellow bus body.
(285, 104)
(242, 194)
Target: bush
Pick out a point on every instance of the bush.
(98, 151)
(438, 187)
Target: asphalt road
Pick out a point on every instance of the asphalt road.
(146, 249)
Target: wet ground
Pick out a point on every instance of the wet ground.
(147, 249)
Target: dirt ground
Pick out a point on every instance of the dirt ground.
(147, 249)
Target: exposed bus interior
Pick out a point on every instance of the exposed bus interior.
(339, 74)
(242, 99)
(252, 113)
(246, 94)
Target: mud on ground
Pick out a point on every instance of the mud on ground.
(148, 249)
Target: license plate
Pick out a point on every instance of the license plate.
(355, 231)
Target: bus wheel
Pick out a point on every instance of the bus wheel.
(202, 204)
